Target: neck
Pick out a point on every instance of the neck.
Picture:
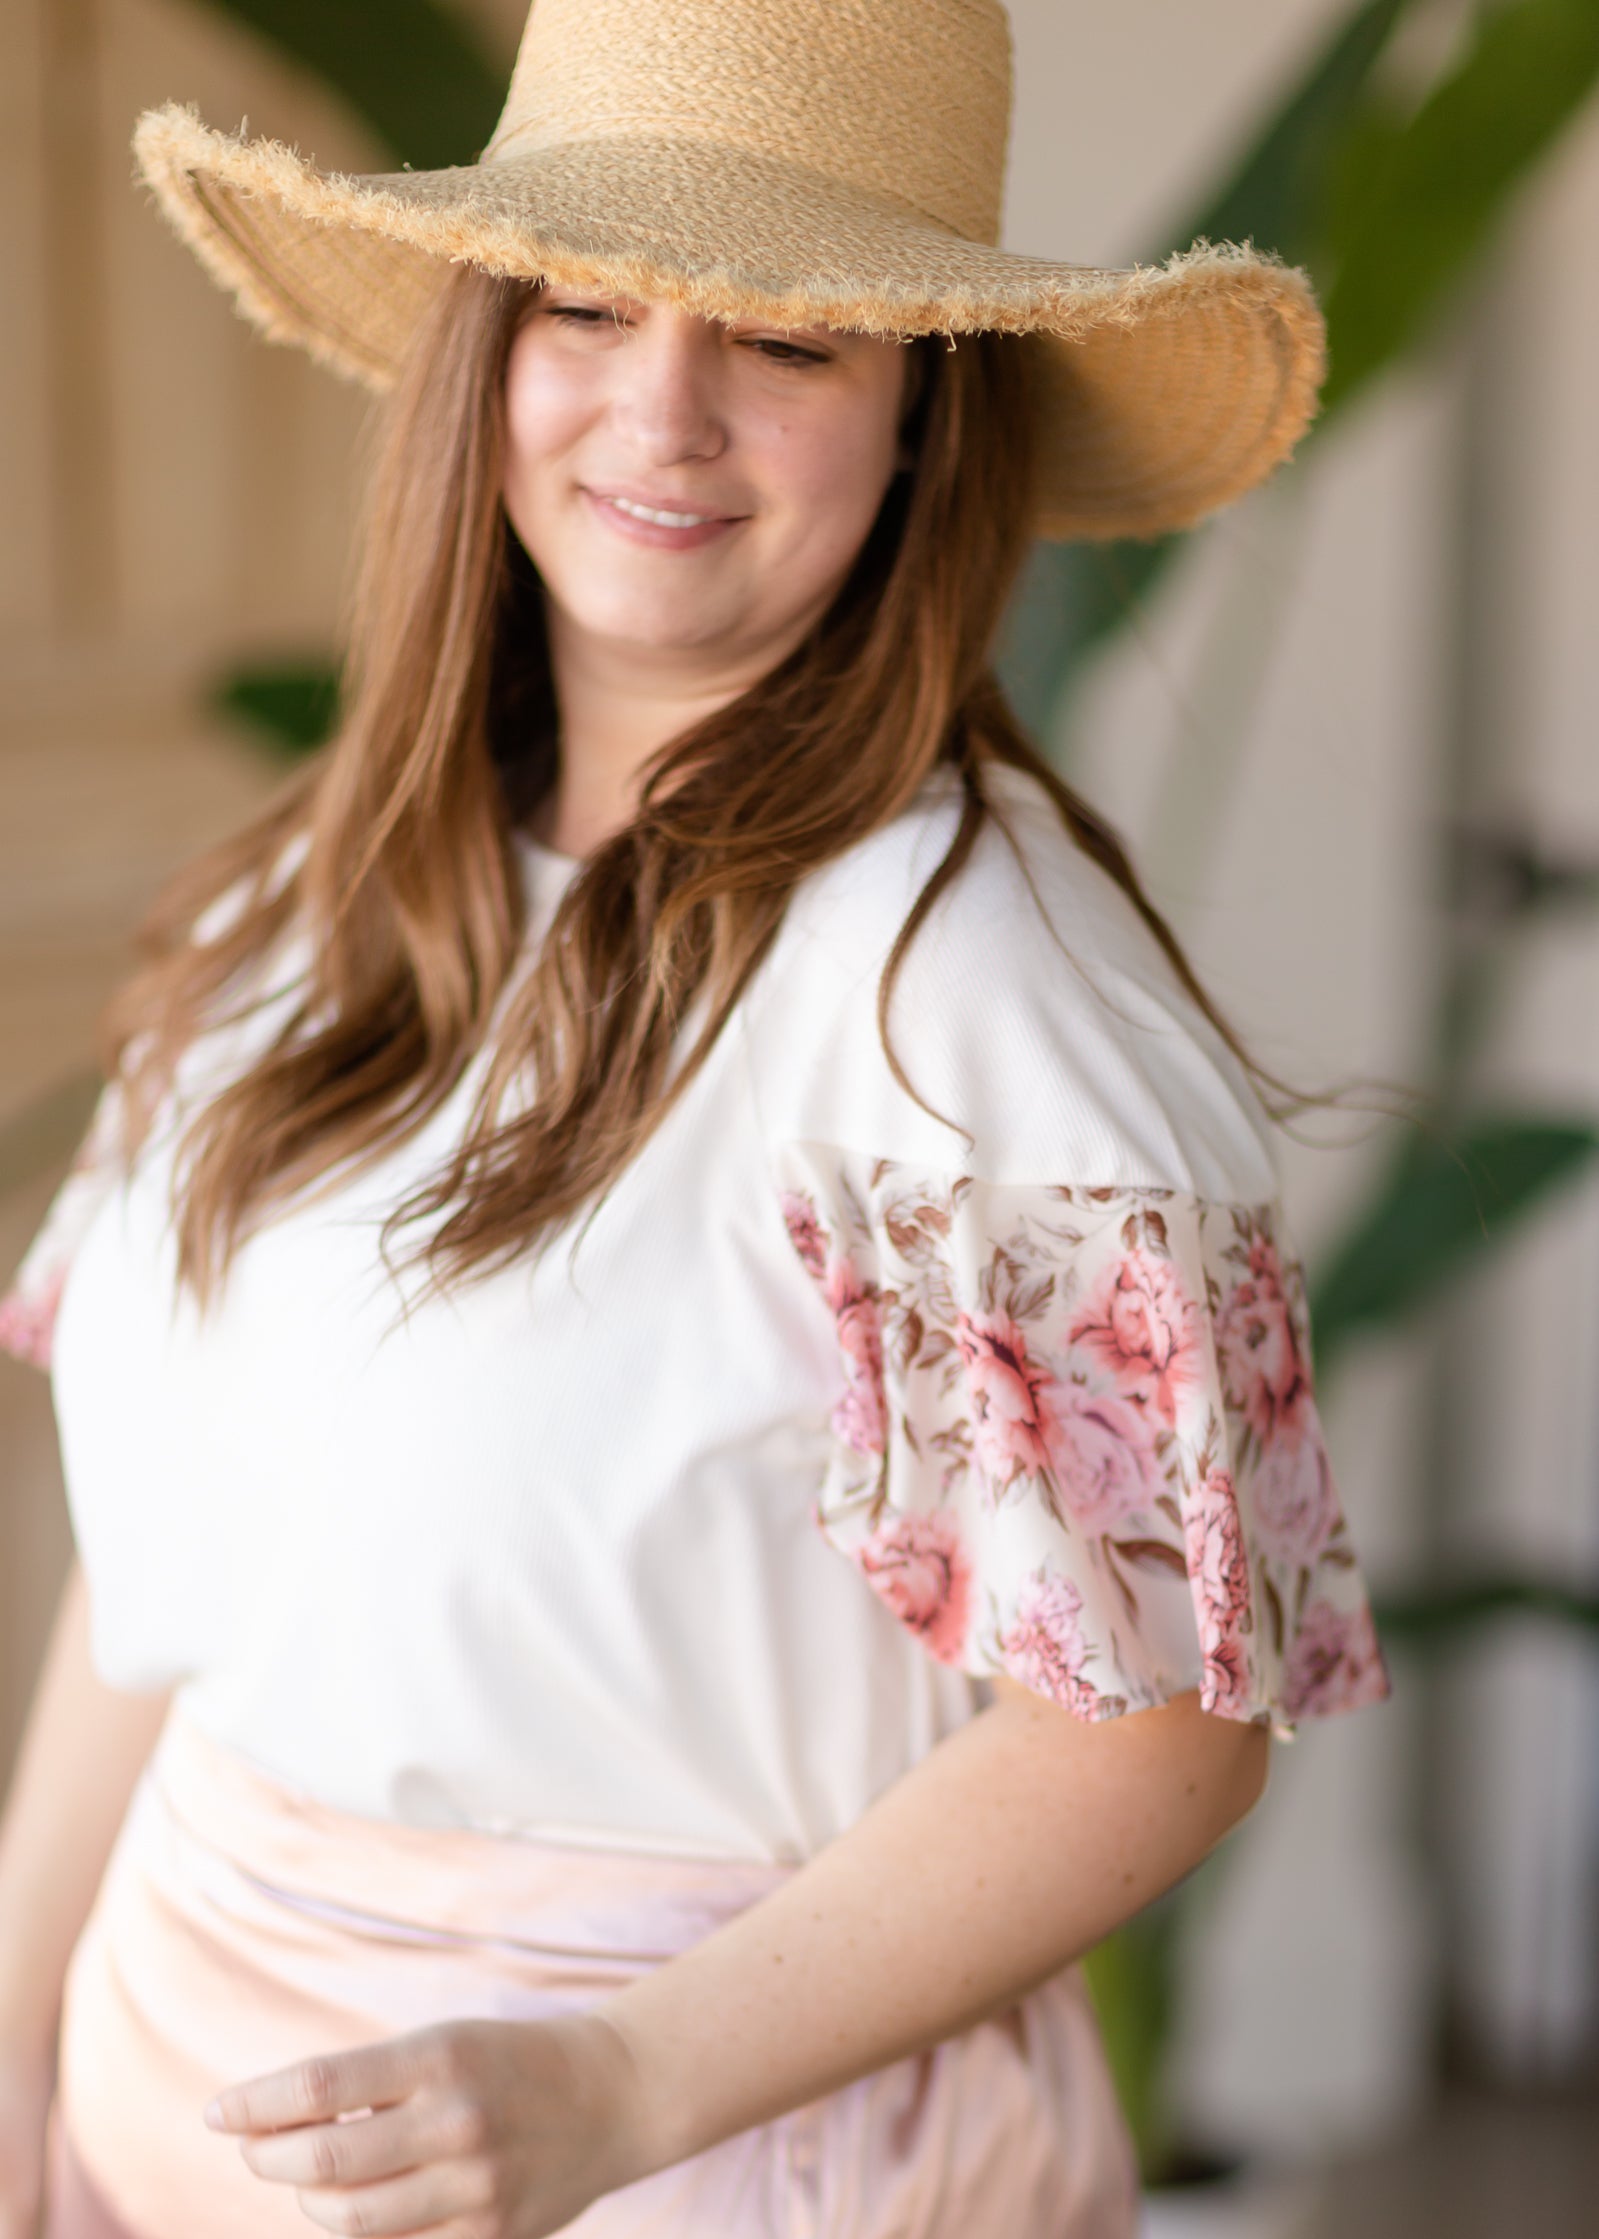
(617, 707)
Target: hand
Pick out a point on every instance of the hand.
(26, 2088)
(476, 2129)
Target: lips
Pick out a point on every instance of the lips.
(662, 518)
(653, 519)
(665, 512)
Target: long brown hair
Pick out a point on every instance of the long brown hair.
(406, 879)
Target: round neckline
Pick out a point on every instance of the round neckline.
(537, 852)
(941, 780)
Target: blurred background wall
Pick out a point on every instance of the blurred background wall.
(1394, 639)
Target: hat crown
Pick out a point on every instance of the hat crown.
(904, 100)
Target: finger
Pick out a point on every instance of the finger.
(423, 2200)
(357, 2151)
(316, 2090)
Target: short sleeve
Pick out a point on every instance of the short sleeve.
(1076, 1438)
(28, 1308)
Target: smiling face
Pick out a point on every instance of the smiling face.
(692, 494)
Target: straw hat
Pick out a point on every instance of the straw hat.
(835, 162)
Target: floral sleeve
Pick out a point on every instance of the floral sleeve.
(1076, 1439)
(28, 1307)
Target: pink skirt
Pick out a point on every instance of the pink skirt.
(241, 1927)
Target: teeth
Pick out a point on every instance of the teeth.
(665, 520)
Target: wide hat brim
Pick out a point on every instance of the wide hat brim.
(1170, 390)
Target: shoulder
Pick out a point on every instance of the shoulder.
(220, 915)
(1035, 1012)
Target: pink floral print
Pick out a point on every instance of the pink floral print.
(1266, 1377)
(1104, 1457)
(919, 1565)
(1044, 1647)
(1334, 1662)
(29, 1308)
(1013, 1428)
(859, 1417)
(1296, 1508)
(805, 1232)
(1263, 1361)
(1218, 1572)
(28, 1317)
(1077, 1439)
(1142, 1325)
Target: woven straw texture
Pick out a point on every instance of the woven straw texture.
(839, 162)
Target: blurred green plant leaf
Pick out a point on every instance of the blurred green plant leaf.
(1440, 1615)
(46, 1132)
(1503, 871)
(1278, 195)
(410, 68)
(1430, 209)
(1131, 1978)
(1070, 598)
(292, 705)
(1388, 211)
(1074, 596)
(1442, 1202)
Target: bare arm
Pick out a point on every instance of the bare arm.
(82, 1751)
(1006, 1853)
(1013, 1846)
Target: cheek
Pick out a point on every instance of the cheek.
(833, 472)
(545, 413)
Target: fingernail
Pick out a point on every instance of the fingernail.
(214, 2115)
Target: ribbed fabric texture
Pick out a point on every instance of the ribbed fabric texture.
(545, 1555)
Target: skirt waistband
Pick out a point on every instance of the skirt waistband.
(445, 1883)
(242, 1927)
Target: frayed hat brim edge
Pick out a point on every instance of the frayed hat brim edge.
(180, 158)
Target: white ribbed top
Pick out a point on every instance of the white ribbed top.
(545, 1555)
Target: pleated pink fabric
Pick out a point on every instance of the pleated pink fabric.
(242, 1926)
(75, 2208)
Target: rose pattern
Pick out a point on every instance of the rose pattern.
(1296, 1507)
(1334, 1662)
(920, 1567)
(1218, 1572)
(1077, 1439)
(1064, 1411)
(805, 1233)
(860, 1416)
(1104, 1458)
(1263, 1361)
(1142, 1326)
(29, 1307)
(1044, 1646)
(1013, 1428)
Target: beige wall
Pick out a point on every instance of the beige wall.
(172, 494)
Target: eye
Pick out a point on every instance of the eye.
(779, 351)
(584, 314)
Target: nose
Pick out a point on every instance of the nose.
(667, 398)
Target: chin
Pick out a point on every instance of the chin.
(674, 632)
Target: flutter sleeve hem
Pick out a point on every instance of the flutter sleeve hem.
(1076, 1439)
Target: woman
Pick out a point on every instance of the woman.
(640, 1699)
